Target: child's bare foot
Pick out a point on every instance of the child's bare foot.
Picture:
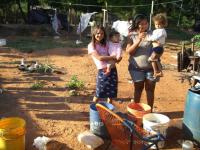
(107, 72)
(95, 99)
(109, 100)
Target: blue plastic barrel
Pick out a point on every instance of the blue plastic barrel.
(191, 119)
(96, 125)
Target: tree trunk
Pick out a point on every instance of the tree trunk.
(21, 11)
(28, 11)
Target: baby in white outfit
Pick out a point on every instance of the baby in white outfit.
(114, 49)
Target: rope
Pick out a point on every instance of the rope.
(112, 6)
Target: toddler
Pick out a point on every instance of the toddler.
(114, 49)
(158, 40)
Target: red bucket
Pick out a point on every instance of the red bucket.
(137, 110)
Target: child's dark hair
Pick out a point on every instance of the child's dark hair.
(161, 18)
(136, 21)
(103, 41)
(113, 33)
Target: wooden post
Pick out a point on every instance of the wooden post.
(192, 40)
(182, 55)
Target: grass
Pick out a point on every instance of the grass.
(29, 44)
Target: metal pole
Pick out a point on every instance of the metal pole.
(80, 27)
(104, 17)
(106, 13)
(151, 14)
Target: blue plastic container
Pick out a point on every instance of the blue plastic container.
(96, 125)
(191, 119)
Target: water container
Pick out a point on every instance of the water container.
(191, 119)
(137, 110)
(157, 123)
(12, 133)
(96, 125)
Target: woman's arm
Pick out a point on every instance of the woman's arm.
(131, 47)
(103, 58)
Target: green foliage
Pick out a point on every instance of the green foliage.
(44, 68)
(197, 40)
(75, 83)
(37, 85)
(187, 22)
(9, 10)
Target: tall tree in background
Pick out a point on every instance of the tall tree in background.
(21, 10)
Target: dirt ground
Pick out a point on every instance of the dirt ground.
(51, 112)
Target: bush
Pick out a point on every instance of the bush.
(197, 40)
(187, 22)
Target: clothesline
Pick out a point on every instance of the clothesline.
(112, 6)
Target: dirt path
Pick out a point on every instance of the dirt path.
(53, 113)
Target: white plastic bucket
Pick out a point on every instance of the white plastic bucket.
(158, 123)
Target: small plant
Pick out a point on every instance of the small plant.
(44, 68)
(37, 85)
(197, 40)
(75, 83)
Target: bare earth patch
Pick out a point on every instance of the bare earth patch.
(51, 112)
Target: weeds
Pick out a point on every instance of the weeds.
(37, 85)
(44, 68)
(75, 83)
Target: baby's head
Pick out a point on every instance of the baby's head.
(160, 21)
(114, 36)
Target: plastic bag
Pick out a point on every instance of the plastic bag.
(40, 142)
(90, 140)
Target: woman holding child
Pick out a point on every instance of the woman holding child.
(107, 77)
(139, 67)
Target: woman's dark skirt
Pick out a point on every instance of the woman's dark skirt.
(107, 84)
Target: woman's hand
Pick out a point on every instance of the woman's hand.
(142, 35)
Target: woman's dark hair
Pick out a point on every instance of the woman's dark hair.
(113, 32)
(136, 21)
(103, 41)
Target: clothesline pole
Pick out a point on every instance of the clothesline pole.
(151, 14)
(104, 17)
(80, 29)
